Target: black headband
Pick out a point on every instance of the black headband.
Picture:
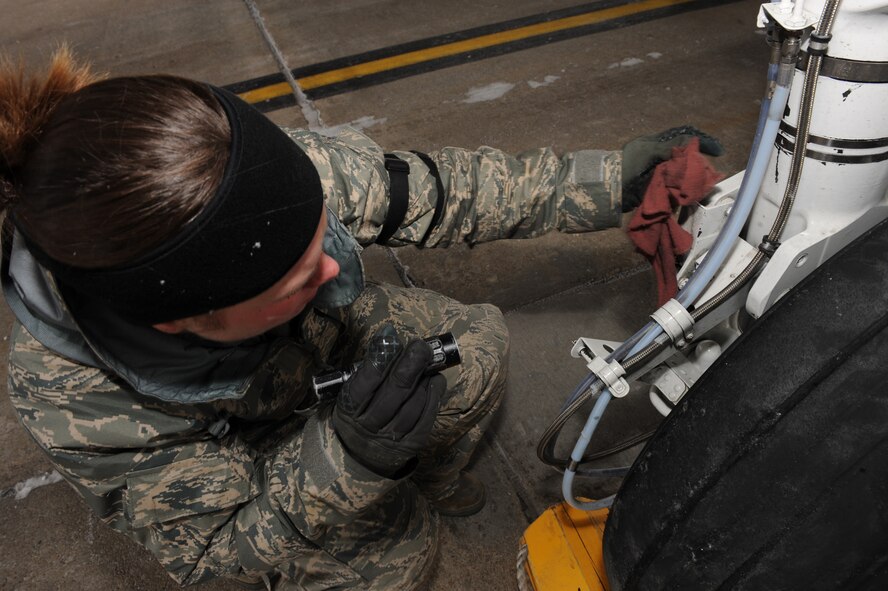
(261, 220)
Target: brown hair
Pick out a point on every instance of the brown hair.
(100, 172)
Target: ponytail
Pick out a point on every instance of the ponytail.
(98, 172)
(26, 104)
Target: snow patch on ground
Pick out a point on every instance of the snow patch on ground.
(546, 81)
(634, 61)
(491, 92)
(359, 124)
(24, 488)
(626, 63)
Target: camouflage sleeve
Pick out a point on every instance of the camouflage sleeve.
(488, 194)
(205, 502)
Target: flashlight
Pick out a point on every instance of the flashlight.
(445, 353)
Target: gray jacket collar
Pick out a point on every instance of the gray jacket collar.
(176, 368)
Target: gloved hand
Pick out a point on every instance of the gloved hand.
(385, 412)
(642, 155)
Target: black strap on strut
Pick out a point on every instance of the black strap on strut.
(442, 197)
(399, 196)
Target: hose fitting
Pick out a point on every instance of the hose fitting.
(789, 56)
(768, 247)
(818, 44)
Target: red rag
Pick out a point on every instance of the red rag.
(684, 179)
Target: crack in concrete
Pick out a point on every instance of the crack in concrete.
(309, 111)
(529, 508)
(401, 269)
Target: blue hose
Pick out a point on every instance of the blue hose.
(685, 294)
(770, 115)
(746, 196)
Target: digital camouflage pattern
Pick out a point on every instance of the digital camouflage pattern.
(490, 195)
(249, 487)
(277, 493)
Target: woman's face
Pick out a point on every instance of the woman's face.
(275, 306)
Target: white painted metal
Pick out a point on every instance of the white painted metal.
(836, 201)
(792, 16)
(706, 222)
(859, 32)
(674, 377)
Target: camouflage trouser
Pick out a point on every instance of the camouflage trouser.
(393, 544)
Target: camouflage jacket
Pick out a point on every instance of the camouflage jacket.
(242, 481)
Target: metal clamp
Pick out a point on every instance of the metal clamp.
(611, 374)
(676, 321)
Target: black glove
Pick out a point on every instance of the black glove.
(642, 155)
(386, 410)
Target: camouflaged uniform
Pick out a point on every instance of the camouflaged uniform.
(243, 476)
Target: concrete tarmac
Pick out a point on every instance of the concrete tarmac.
(598, 89)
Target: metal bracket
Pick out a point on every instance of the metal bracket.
(611, 374)
(704, 225)
(792, 16)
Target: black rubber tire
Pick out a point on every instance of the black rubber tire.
(772, 473)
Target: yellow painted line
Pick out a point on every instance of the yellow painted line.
(265, 93)
(423, 55)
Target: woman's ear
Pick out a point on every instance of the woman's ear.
(194, 324)
(171, 327)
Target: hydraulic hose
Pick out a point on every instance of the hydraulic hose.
(752, 179)
(812, 74)
(779, 80)
(623, 350)
(546, 445)
(648, 345)
(748, 191)
(644, 341)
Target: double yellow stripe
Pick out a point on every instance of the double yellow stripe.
(423, 55)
